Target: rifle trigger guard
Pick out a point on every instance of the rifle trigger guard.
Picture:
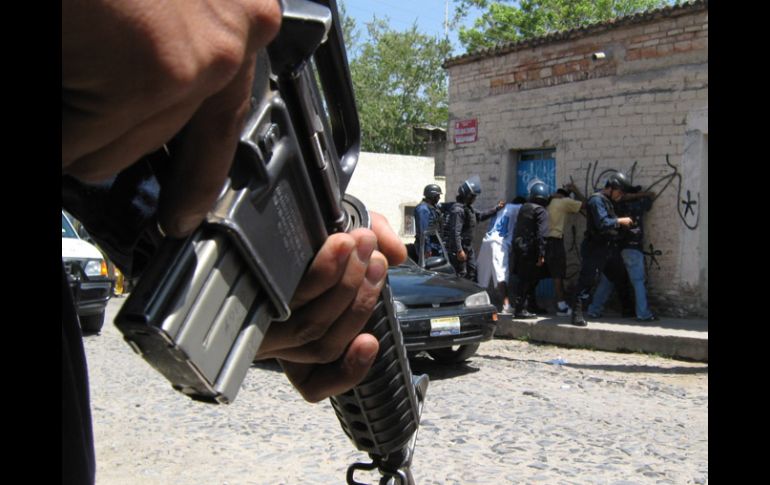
(399, 477)
(358, 466)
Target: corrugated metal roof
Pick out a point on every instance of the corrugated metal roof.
(579, 32)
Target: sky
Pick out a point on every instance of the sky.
(429, 15)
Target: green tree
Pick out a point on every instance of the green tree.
(350, 34)
(512, 20)
(399, 83)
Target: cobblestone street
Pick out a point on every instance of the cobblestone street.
(516, 413)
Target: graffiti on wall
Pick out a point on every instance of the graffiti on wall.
(650, 256)
(687, 207)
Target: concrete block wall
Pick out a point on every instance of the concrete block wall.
(387, 183)
(642, 109)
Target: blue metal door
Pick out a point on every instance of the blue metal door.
(537, 164)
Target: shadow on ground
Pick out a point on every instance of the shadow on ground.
(436, 371)
(642, 369)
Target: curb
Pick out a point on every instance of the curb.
(608, 336)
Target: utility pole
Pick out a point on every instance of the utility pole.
(446, 19)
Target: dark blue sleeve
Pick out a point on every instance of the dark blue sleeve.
(119, 214)
(421, 219)
(601, 216)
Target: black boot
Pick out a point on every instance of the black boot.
(532, 306)
(577, 314)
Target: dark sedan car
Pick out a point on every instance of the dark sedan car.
(441, 313)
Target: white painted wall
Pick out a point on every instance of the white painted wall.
(387, 183)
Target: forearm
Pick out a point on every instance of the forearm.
(483, 216)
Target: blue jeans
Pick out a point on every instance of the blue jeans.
(634, 262)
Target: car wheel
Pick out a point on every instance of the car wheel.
(92, 323)
(455, 354)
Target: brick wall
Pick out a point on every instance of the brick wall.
(628, 111)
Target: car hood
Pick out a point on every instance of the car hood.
(412, 285)
(72, 248)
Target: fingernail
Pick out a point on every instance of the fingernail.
(366, 248)
(362, 357)
(344, 252)
(376, 271)
(367, 354)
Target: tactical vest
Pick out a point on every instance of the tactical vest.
(593, 228)
(469, 223)
(446, 215)
(526, 232)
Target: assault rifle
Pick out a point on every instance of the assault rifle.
(202, 305)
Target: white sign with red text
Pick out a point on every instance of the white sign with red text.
(466, 131)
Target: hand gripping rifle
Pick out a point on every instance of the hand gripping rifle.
(202, 305)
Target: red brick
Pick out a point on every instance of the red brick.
(683, 46)
(649, 52)
(700, 44)
(684, 37)
(665, 49)
(560, 69)
(493, 83)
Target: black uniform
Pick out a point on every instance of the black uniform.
(115, 214)
(77, 457)
(529, 243)
(599, 245)
(462, 220)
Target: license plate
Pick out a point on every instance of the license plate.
(444, 326)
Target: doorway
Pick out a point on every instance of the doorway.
(531, 165)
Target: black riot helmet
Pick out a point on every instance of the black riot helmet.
(538, 194)
(469, 190)
(619, 181)
(432, 193)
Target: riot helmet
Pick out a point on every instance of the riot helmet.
(619, 181)
(538, 194)
(432, 193)
(470, 189)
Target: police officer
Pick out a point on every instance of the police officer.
(529, 243)
(462, 221)
(427, 217)
(601, 239)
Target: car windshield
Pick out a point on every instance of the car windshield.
(66, 228)
(409, 263)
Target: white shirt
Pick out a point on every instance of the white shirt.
(502, 225)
